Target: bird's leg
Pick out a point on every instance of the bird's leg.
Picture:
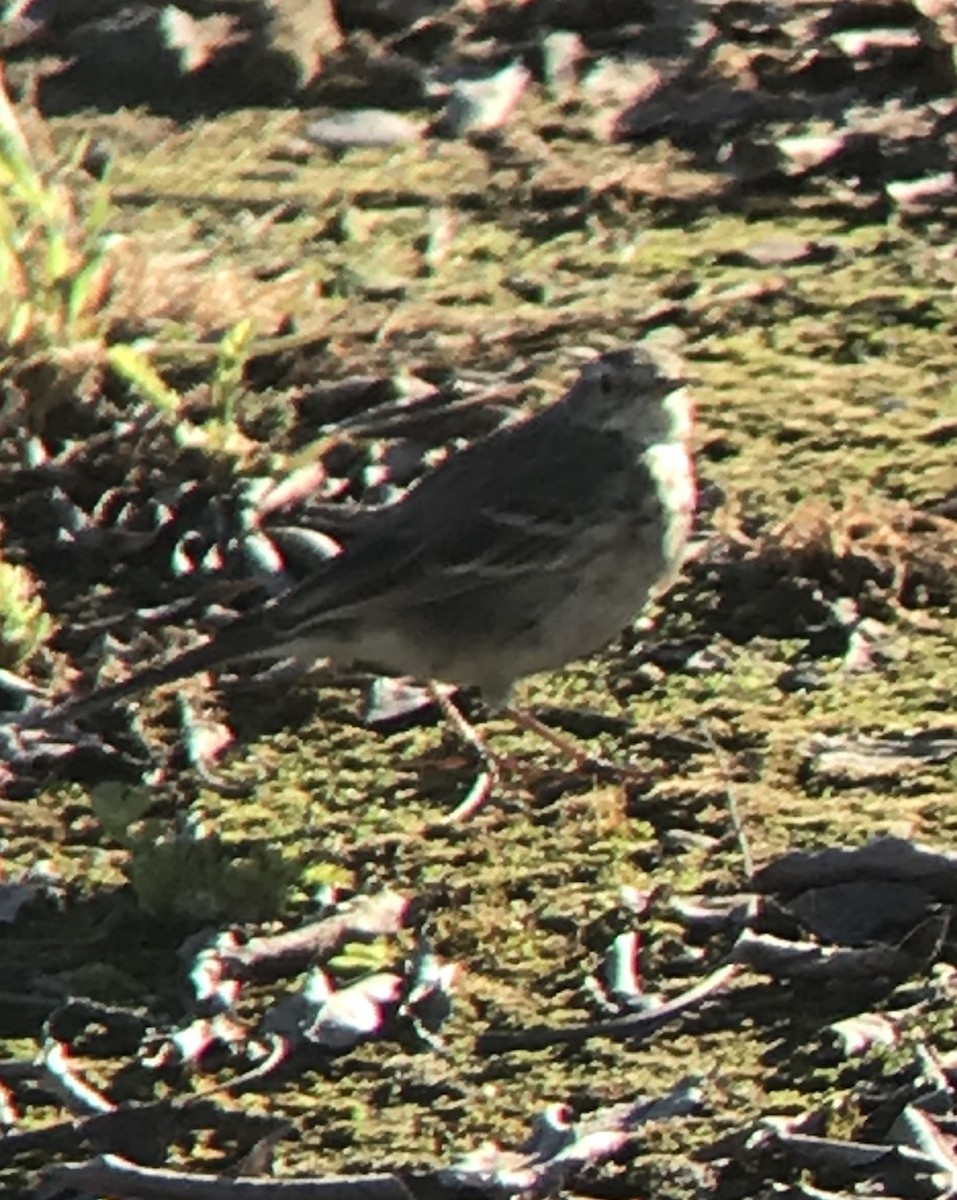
(489, 778)
(568, 747)
(497, 765)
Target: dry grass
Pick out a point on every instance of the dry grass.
(151, 286)
(869, 547)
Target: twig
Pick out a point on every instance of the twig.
(631, 1025)
(475, 798)
(278, 1053)
(128, 1129)
(59, 1077)
(290, 952)
(119, 1177)
(731, 798)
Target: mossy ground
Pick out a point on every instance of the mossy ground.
(819, 382)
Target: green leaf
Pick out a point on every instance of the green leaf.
(226, 384)
(19, 323)
(57, 257)
(362, 958)
(135, 368)
(118, 805)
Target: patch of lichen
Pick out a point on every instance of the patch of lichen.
(820, 382)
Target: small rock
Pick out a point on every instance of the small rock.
(780, 250)
(805, 678)
(392, 700)
(196, 41)
(303, 33)
(363, 127)
(562, 52)
(484, 104)
(868, 43)
(923, 193)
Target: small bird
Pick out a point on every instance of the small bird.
(532, 547)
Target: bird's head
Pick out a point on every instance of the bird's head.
(636, 392)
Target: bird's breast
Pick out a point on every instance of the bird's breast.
(671, 469)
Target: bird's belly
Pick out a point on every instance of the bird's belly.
(546, 627)
(491, 637)
(603, 600)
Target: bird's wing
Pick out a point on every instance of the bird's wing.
(546, 488)
(500, 508)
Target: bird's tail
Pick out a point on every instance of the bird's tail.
(230, 644)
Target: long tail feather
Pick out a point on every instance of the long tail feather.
(233, 643)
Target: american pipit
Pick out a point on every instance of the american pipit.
(528, 549)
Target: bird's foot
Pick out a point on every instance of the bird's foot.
(571, 749)
(496, 767)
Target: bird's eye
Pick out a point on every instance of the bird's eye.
(605, 383)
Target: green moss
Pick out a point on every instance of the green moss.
(818, 381)
(25, 625)
(207, 878)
